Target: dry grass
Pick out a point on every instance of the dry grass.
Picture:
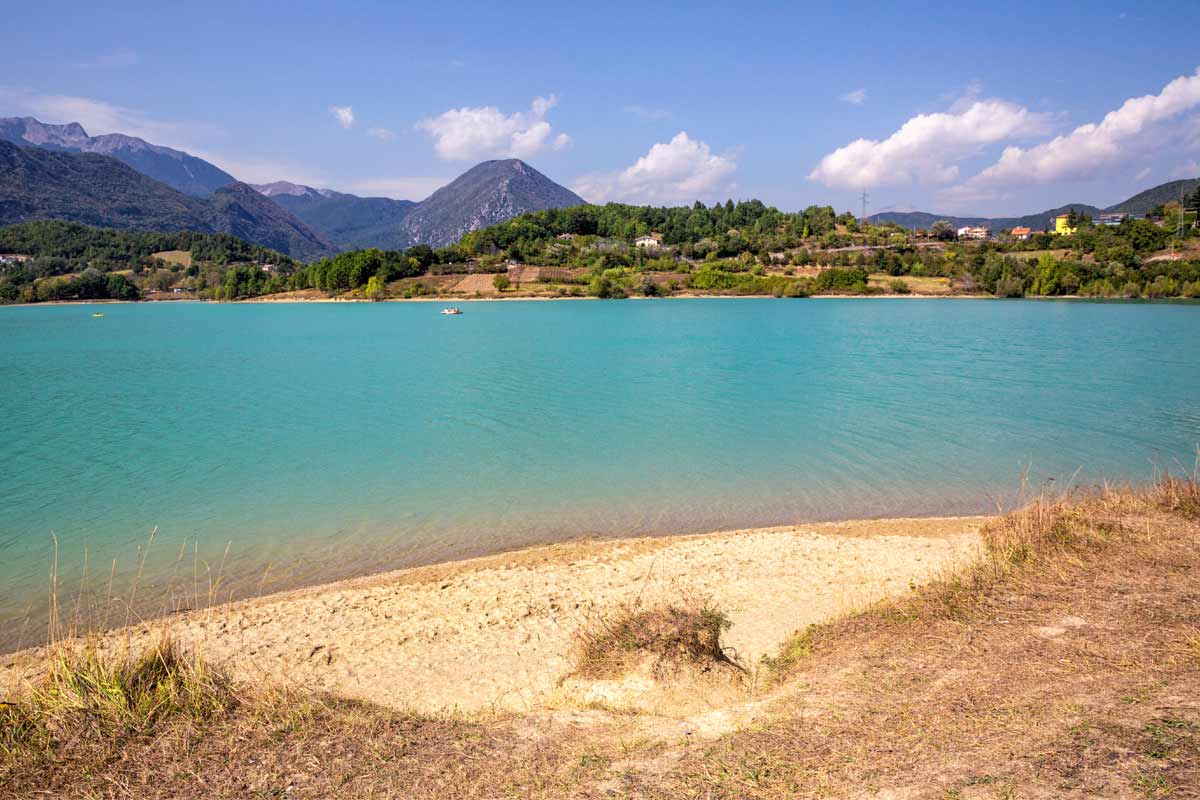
(1064, 663)
(916, 283)
(669, 637)
(93, 701)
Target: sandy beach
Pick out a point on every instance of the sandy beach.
(497, 632)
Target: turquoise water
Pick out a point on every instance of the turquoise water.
(325, 440)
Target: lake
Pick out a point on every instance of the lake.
(284, 444)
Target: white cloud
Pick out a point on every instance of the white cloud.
(471, 134)
(1143, 173)
(928, 147)
(382, 134)
(96, 116)
(855, 98)
(399, 187)
(680, 171)
(343, 114)
(1131, 130)
(647, 113)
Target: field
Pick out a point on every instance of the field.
(931, 286)
(181, 257)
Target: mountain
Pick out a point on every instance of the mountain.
(248, 215)
(350, 222)
(175, 168)
(98, 190)
(1143, 202)
(1138, 205)
(491, 192)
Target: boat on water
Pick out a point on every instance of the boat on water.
(452, 310)
(97, 314)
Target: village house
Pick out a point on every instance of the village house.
(1062, 226)
(1021, 233)
(13, 258)
(651, 240)
(566, 237)
(1111, 220)
(973, 232)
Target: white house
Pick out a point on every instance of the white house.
(653, 240)
(971, 232)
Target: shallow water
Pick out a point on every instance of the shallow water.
(318, 441)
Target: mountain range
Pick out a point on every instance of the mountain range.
(190, 193)
(491, 192)
(1140, 204)
(175, 168)
(99, 190)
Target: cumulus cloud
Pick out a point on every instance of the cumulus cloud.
(680, 171)
(855, 98)
(1129, 131)
(343, 114)
(470, 134)
(382, 134)
(928, 147)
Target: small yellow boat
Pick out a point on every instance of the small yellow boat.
(97, 315)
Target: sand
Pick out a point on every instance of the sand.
(497, 632)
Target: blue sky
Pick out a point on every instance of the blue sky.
(643, 102)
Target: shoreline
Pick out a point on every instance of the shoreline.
(450, 300)
(516, 612)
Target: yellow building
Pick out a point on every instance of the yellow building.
(1061, 227)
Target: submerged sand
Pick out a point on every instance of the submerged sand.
(497, 632)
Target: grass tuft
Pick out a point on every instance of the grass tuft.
(670, 636)
(92, 698)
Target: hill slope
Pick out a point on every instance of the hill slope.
(175, 168)
(101, 191)
(1041, 221)
(1143, 202)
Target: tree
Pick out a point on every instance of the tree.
(1193, 202)
(376, 289)
(501, 282)
(943, 231)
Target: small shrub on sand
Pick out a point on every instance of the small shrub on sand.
(90, 698)
(669, 636)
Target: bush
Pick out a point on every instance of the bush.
(899, 286)
(669, 636)
(853, 280)
(501, 282)
(1010, 286)
(606, 287)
